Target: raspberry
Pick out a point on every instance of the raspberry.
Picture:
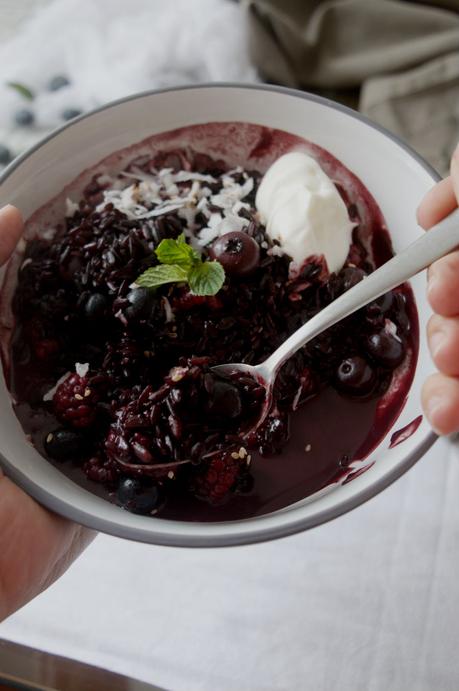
(220, 477)
(75, 401)
(188, 301)
(102, 471)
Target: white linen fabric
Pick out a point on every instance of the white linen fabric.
(368, 602)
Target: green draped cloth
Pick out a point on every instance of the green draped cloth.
(397, 61)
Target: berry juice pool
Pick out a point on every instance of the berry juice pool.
(163, 261)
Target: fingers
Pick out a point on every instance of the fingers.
(443, 339)
(443, 285)
(11, 227)
(440, 394)
(36, 547)
(442, 199)
(440, 401)
(438, 203)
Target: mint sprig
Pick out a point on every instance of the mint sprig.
(180, 263)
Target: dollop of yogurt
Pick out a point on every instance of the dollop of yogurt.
(303, 210)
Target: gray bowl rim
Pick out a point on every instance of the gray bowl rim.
(259, 533)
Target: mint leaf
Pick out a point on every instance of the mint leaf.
(159, 275)
(22, 89)
(180, 263)
(177, 252)
(206, 278)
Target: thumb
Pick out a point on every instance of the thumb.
(11, 227)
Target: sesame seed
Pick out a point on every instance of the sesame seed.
(235, 455)
(249, 459)
(87, 392)
(78, 396)
(170, 475)
(242, 452)
(50, 437)
(307, 448)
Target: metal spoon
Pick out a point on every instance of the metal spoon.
(438, 241)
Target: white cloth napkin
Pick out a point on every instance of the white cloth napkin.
(368, 602)
(112, 48)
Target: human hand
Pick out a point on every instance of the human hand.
(440, 395)
(36, 546)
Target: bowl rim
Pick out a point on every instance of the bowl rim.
(262, 529)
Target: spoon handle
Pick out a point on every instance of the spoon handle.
(438, 241)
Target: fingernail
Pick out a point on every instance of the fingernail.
(434, 412)
(436, 340)
(7, 207)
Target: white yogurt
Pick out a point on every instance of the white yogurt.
(302, 209)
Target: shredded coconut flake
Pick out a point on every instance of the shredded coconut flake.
(184, 176)
(82, 368)
(70, 208)
(168, 310)
(48, 233)
(391, 328)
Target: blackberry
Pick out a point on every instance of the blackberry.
(101, 470)
(75, 401)
(215, 482)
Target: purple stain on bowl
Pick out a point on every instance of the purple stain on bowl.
(357, 472)
(405, 433)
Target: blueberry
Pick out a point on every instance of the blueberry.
(245, 483)
(385, 302)
(275, 435)
(141, 301)
(58, 82)
(237, 252)
(24, 117)
(224, 401)
(400, 314)
(355, 376)
(96, 306)
(141, 497)
(352, 275)
(5, 155)
(385, 349)
(70, 113)
(63, 444)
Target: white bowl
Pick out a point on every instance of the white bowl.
(395, 175)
